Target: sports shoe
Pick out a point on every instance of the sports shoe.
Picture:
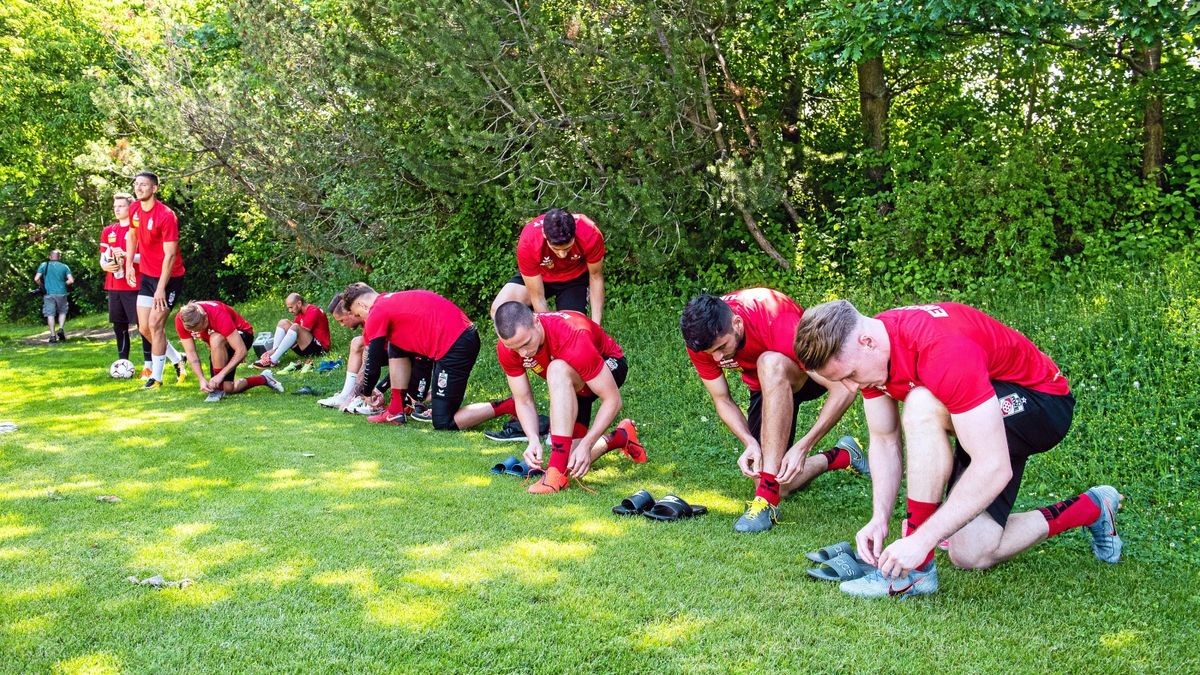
(512, 431)
(858, 459)
(1106, 543)
(875, 585)
(146, 373)
(151, 384)
(425, 414)
(215, 396)
(633, 449)
(62, 337)
(289, 368)
(326, 366)
(264, 362)
(386, 417)
(306, 367)
(760, 516)
(335, 401)
(551, 481)
(180, 373)
(271, 381)
(359, 406)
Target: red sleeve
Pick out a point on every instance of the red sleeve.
(510, 362)
(705, 365)
(183, 333)
(593, 251)
(529, 252)
(220, 320)
(955, 371)
(169, 227)
(582, 355)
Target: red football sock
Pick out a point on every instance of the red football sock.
(617, 439)
(255, 381)
(397, 402)
(837, 458)
(560, 446)
(506, 407)
(918, 513)
(768, 488)
(1070, 513)
(579, 431)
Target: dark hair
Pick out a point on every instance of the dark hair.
(558, 226)
(147, 174)
(353, 292)
(705, 318)
(510, 316)
(335, 305)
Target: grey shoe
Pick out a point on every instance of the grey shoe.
(875, 585)
(1106, 543)
(760, 516)
(271, 381)
(215, 396)
(858, 459)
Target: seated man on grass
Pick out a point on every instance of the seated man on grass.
(307, 335)
(406, 325)
(580, 363)
(228, 337)
(960, 374)
(753, 330)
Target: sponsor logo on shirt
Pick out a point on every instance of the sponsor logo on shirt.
(932, 310)
(1012, 404)
(728, 364)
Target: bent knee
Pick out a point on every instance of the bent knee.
(971, 560)
(922, 408)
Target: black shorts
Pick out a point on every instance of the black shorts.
(1033, 422)
(449, 378)
(247, 339)
(619, 367)
(570, 294)
(122, 306)
(314, 348)
(810, 391)
(174, 288)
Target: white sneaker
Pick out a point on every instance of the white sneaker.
(363, 408)
(215, 396)
(336, 401)
(271, 381)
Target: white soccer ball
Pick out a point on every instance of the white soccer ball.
(121, 369)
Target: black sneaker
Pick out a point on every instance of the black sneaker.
(53, 339)
(62, 337)
(512, 431)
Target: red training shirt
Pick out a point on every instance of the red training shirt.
(419, 322)
(535, 258)
(154, 228)
(314, 320)
(770, 319)
(222, 319)
(570, 336)
(956, 352)
(112, 239)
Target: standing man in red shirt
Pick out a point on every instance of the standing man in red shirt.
(559, 255)
(152, 248)
(404, 326)
(228, 337)
(753, 330)
(580, 364)
(307, 335)
(122, 300)
(960, 373)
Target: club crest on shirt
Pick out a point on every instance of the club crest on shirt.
(611, 363)
(547, 262)
(1012, 404)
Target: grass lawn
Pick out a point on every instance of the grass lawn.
(394, 549)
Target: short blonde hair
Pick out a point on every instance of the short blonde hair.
(823, 330)
(124, 195)
(192, 314)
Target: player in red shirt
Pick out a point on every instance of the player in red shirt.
(753, 330)
(559, 255)
(959, 373)
(580, 363)
(307, 335)
(228, 337)
(407, 325)
(122, 300)
(152, 248)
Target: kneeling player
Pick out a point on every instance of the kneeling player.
(228, 337)
(580, 363)
(960, 374)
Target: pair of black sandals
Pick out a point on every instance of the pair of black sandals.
(667, 509)
(513, 466)
(837, 562)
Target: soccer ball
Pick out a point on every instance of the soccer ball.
(121, 369)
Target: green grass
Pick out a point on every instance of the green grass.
(395, 550)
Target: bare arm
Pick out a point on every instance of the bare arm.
(884, 455)
(170, 252)
(750, 461)
(605, 387)
(596, 289)
(527, 414)
(235, 341)
(193, 359)
(837, 401)
(537, 293)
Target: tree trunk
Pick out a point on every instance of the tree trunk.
(1150, 58)
(873, 103)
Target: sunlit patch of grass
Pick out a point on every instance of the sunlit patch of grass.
(668, 631)
(399, 610)
(359, 581)
(1122, 639)
(95, 663)
(528, 560)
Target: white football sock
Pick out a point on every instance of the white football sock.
(282, 345)
(158, 361)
